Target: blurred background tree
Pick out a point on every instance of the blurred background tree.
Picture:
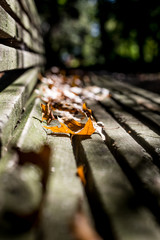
(116, 35)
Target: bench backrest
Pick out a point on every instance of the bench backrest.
(21, 43)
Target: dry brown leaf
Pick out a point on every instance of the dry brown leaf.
(41, 159)
(81, 227)
(80, 173)
(74, 125)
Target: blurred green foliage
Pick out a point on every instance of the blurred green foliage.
(119, 35)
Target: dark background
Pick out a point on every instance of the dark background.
(115, 35)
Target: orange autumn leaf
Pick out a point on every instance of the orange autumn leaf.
(87, 130)
(80, 173)
(62, 129)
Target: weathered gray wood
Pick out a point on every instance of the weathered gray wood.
(11, 58)
(142, 92)
(7, 26)
(64, 188)
(143, 134)
(138, 109)
(110, 82)
(147, 99)
(12, 101)
(14, 9)
(134, 160)
(30, 135)
(20, 195)
(10, 29)
(147, 103)
(11, 6)
(130, 100)
(64, 192)
(107, 182)
(29, 8)
(33, 10)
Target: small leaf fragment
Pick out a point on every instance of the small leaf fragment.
(81, 227)
(80, 173)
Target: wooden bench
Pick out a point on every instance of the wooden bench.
(121, 198)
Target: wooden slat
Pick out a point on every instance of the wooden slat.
(7, 26)
(11, 58)
(134, 160)
(12, 101)
(109, 187)
(64, 188)
(10, 29)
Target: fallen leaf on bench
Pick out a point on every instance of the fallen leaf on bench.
(63, 129)
(64, 97)
(81, 227)
(80, 173)
(88, 128)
